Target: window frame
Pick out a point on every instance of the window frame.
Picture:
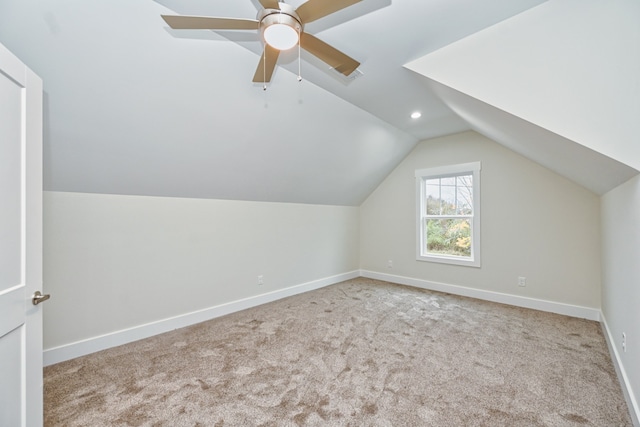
(422, 175)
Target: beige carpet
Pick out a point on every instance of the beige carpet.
(359, 353)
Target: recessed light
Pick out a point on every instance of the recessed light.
(416, 115)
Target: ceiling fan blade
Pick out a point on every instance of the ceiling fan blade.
(209, 23)
(267, 64)
(316, 9)
(270, 4)
(329, 54)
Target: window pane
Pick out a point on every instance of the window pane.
(450, 195)
(464, 195)
(448, 237)
(448, 192)
(433, 196)
(450, 180)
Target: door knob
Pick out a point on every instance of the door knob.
(37, 298)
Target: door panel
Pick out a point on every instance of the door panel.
(20, 243)
(11, 377)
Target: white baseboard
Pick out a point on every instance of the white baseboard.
(113, 339)
(102, 342)
(632, 402)
(518, 301)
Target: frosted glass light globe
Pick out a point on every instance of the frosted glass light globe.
(281, 36)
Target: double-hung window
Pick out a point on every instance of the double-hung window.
(448, 214)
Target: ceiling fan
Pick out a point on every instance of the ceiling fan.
(281, 27)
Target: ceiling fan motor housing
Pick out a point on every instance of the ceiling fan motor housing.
(286, 15)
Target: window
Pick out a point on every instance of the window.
(448, 214)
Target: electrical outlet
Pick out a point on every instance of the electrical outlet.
(624, 342)
(260, 280)
(522, 281)
(390, 263)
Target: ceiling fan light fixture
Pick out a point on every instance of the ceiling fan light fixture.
(281, 27)
(281, 36)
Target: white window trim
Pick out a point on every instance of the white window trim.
(443, 171)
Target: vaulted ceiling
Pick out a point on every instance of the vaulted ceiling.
(559, 84)
(134, 107)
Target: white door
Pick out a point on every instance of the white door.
(20, 243)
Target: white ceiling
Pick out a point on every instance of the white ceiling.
(382, 35)
(576, 162)
(133, 107)
(549, 87)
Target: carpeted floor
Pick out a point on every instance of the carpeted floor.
(359, 353)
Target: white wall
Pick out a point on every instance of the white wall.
(535, 223)
(621, 277)
(117, 262)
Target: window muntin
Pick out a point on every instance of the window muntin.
(448, 215)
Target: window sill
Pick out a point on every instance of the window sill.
(449, 260)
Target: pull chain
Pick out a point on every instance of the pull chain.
(299, 60)
(264, 68)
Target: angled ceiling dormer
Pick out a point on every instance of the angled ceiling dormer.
(559, 83)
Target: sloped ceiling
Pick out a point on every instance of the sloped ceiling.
(559, 84)
(132, 107)
(589, 168)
